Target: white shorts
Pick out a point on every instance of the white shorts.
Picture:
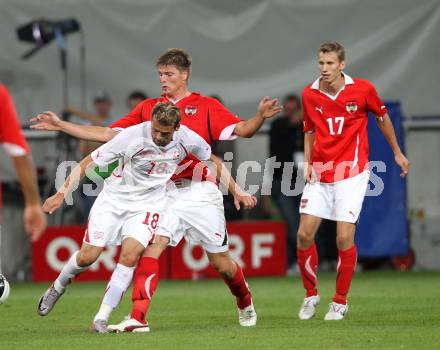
(110, 221)
(339, 201)
(195, 211)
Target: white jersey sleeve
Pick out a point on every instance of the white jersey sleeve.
(195, 144)
(119, 146)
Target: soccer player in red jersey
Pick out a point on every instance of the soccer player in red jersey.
(196, 208)
(17, 148)
(336, 169)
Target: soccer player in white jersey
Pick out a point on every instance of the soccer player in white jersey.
(131, 203)
(213, 122)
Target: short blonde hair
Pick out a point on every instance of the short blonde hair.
(333, 46)
(166, 114)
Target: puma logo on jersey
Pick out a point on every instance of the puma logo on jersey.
(319, 109)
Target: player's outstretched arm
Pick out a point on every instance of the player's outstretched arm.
(267, 108)
(387, 129)
(50, 121)
(54, 202)
(224, 176)
(34, 218)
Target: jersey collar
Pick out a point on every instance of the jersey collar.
(192, 94)
(347, 81)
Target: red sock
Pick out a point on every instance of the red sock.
(345, 269)
(239, 288)
(145, 279)
(308, 262)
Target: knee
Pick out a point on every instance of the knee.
(344, 242)
(305, 237)
(128, 258)
(157, 248)
(86, 258)
(225, 267)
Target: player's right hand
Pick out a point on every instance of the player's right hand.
(268, 108)
(308, 173)
(403, 163)
(46, 121)
(34, 221)
(53, 203)
(247, 200)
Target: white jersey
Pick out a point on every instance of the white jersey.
(144, 168)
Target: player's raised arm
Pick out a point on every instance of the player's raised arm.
(224, 176)
(267, 108)
(50, 121)
(54, 202)
(387, 129)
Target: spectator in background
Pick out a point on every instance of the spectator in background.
(102, 104)
(286, 144)
(134, 98)
(16, 146)
(92, 182)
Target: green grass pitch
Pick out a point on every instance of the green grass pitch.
(388, 310)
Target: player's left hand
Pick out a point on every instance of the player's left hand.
(403, 163)
(53, 203)
(247, 200)
(267, 108)
(34, 221)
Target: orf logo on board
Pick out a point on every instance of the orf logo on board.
(190, 111)
(351, 107)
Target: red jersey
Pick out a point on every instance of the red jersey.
(340, 122)
(204, 115)
(11, 135)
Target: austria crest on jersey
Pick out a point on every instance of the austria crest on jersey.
(351, 107)
(190, 111)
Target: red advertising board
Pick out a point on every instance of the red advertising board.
(258, 246)
(53, 249)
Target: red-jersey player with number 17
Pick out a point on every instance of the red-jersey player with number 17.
(336, 154)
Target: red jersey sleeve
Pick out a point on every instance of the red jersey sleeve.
(11, 135)
(374, 102)
(308, 125)
(132, 118)
(221, 122)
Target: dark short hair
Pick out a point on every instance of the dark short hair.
(175, 57)
(137, 94)
(292, 97)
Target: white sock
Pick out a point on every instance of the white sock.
(119, 283)
(70, 270)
